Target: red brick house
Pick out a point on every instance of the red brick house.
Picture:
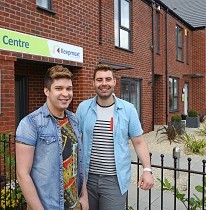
(158, 54)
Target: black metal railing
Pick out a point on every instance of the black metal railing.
(12, 198)
(10, 193)
(192, 198)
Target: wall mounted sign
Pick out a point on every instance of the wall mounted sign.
(0, 91)
(24, 43)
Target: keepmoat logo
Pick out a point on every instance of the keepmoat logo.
(61, 50)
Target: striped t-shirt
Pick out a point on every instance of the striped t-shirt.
(102, 159)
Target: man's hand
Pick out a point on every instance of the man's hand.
(84, 202)
(146, 181)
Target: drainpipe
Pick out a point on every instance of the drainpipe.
(153, 65)
(166, 66)
(100, 22)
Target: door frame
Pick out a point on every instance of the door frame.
(21, 97)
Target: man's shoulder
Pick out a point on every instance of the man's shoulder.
(36, 113)
(86, 102)
(122, 102)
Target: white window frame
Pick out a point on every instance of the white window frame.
(46, 4)
(122, 26)
(173, 93)
(179, 43)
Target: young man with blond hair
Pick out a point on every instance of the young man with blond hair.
(49, 157)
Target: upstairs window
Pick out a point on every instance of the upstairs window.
(157, 32)
(122, 23)
(179, 43)
(44, 4)
(173, 93)
(187, 46)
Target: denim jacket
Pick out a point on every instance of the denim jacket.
(126, 125)
(41, 130)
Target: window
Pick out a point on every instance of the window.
(173, 94)
(187, 46)
(158, 32)
(44, 3)
(130, 91)
(122, 23)
(179, 43)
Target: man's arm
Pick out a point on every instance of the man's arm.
(83, 200)
(146, 181)
(24, 160)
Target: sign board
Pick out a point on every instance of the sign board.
(0, 91)
(24, 43)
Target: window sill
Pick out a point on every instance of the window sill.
(174, 110)
(123, 49)
(45, 9)
(180, 61)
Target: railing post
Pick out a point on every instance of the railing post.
(176, 156)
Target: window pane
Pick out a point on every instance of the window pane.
(125, 14)
(175, 88)
(179, 47)
(125, 91)
(180, 38)
(173, 93)
(124, 39)
(116, 22)
(179, 54)
(43, 3)
(134, 93)
(158, 32)
(187, 47)
(130, 91)
(174, 103)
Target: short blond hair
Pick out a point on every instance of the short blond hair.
(56, 72)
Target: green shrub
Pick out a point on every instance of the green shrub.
(202, 118)
(169, 134)
(176, 118)
(193, 113)
(10, 193)
(202, 131)
(194, 145)
(196, 203)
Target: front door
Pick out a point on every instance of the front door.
(21, 98)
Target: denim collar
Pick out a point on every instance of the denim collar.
(46, 112)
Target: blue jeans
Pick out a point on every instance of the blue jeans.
(104, 193)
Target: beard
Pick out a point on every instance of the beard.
(106, 95)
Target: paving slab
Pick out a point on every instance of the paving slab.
(196, 164)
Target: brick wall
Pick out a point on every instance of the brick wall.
(78, 23)
(140, 57)
(74, 22)
(7, 120)
(198, 97)
(34, 74)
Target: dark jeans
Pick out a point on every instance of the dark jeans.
(104, 193)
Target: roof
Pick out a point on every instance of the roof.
(192, 11)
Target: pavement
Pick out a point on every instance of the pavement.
(167, 198)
